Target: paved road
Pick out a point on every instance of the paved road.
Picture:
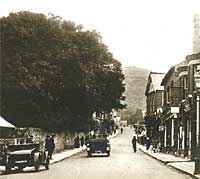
(122, 164)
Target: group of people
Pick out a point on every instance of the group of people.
(134, 143)
(50, 145)
(79, 141)
(153, 147)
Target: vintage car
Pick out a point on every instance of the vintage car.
(98, 144)
(23, 155)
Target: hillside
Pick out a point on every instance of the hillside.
(135, 81)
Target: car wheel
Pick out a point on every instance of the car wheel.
(8, 168)
(108, 154)
(47, 166)
(20, 168)
(37, 165)
(47, 163)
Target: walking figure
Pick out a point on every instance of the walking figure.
(47, 143)
(121, 130)
(82, 141)
(76, 142)
(148, 143)
(50, 145)
(134, 140)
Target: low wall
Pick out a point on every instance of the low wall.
(63, 140)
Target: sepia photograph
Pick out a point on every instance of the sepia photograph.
(100, 89)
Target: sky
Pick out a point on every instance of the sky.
(150, 34)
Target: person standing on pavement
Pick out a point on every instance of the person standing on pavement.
(51, 146)
(76, 142)
(148, 143)
(82, 141)
(47, 146)
(47, 142)
(134, 141)
(121, 130)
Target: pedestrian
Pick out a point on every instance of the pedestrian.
(82, 141)
(115, 130)
(76, 142)
(148, 143)
(47, 142)
(121, 130)
(134, 140)
(51, 146)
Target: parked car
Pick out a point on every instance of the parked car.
(98, 144)
(23, 155)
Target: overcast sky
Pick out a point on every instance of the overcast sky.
(152, 34)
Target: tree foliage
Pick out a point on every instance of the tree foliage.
(54, 73)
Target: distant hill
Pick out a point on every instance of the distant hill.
(135, 81)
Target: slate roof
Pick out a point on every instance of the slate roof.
(154, 82)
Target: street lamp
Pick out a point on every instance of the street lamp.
(197, 89)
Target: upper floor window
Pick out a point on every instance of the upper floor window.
(185, 82)
(185, 87)
(172, 83)
(197, 70)
(167, 95)
(197, 75)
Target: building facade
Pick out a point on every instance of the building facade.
(180, 113)
(154, 102)
(171, 109)
(173, 106)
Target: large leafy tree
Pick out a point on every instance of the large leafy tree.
(55, 74)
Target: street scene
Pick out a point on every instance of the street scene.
(122, 163)
(100, 89)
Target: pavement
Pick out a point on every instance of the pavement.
(183, 165)
(57, 157)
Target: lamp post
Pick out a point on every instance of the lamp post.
(197, 151)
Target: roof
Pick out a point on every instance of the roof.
(174, 69)
(4, 123)
(154, 82)
(168, 74)
(182, 64)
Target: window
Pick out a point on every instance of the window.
(197, 75)
(167, 95)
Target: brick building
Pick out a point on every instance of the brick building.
(154, 96)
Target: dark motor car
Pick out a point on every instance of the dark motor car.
(22, 155)
(98, 144)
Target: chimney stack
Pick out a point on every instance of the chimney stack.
(196, 34)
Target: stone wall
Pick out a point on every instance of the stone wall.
(63, 140)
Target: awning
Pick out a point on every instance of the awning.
(4, 123)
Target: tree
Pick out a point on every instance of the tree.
(54, 73)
